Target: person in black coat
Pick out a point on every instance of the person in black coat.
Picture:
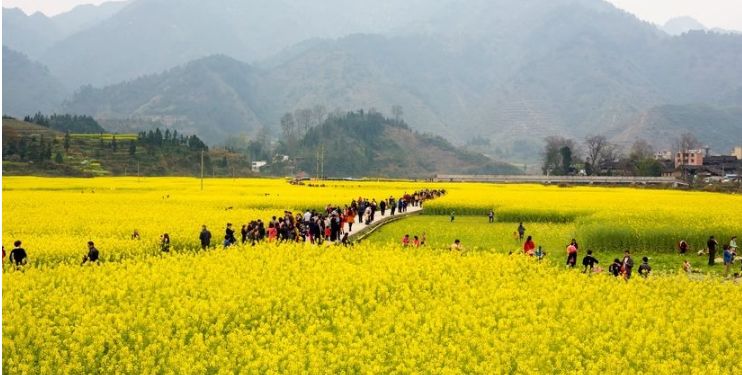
(229, 238)
(205, 237)
(711, 244)
(18, 255)
(93, 254)
(334, 228)
(589, 261)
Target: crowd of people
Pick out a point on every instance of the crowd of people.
(333, 224)
(624, 267)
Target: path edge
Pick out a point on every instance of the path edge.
(369, 230)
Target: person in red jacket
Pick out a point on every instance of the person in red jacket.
(529, 246)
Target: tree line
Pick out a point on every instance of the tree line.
(596, 156)
(160, 139)
(66, 123)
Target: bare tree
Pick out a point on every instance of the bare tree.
(397, 112)
(288, 128)
(319, 113)
(686, 142)
(595, 147)
(641, 150)
(303, 118)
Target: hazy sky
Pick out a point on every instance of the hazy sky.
(712, 13)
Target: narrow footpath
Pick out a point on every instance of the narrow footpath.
(361, 230)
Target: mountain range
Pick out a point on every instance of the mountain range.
(507, 71)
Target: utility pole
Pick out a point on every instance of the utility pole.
(202, 170)
(322, 162)
(317, 170)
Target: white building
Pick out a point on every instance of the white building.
(663, 155)
(256, 165)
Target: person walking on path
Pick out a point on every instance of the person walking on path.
(204, 237)
(382, 207)
(392, 205)
(334, 227)
(627, 265)
(529, 246)
(589, 261)
(645, 269)
(93, 254)
(521, 231)
(491, 216)
(18, 255)
(711, 244)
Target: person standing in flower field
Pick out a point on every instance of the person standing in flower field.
(540, 253)
(733, 246)
(453, 216)
(521, 231)
(491, 216)
(529, 246)
(589, 261)
(711, 244)
(204, 237)
(728, 259)
(456, 246)
(645, 269)
(93, 254)
(18, 255)
(683, 247)
(627, 265)
(572, 254)
(406, 240)
(615, 267)
(229, 238)
(165, 243)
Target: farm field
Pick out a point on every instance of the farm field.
(375, 307)
(477, 235)
(56, 217)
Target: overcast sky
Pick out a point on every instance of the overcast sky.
(726, 14)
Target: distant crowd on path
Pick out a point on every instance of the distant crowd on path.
(334, 224)
(624, 267)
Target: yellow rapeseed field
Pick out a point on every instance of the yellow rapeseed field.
(56, 217)
(372, 308)
(606, 218)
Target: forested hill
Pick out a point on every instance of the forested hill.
(368, 144)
